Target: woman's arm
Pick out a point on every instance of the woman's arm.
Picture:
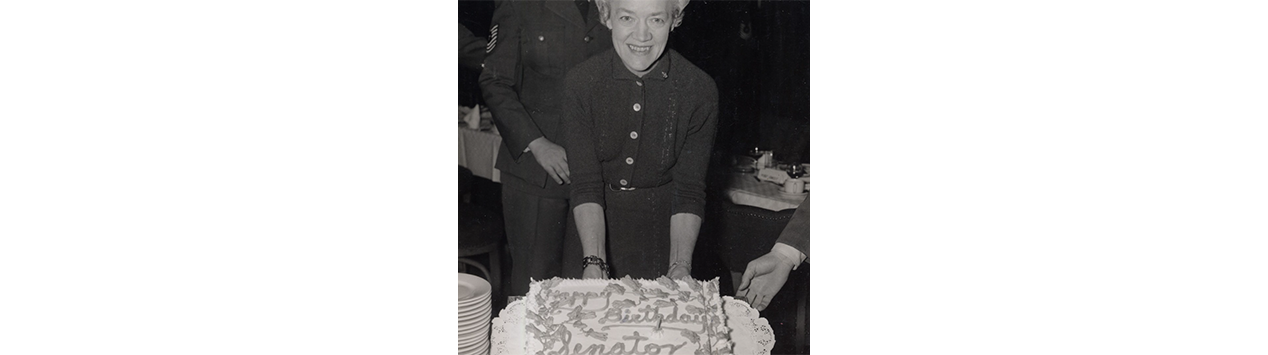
(591, 226)
(587, 176)
(683, 230)
(689, 184)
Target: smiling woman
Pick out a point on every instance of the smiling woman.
(640, 124)
(640, 29)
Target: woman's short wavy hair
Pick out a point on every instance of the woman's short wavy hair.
(605, 10)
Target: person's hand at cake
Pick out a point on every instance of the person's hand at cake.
(763, 278)
(680, 270)
(594, 272)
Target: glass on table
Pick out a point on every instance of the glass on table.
(755, 153)
(763, 158)
(746, 161)
(794, 170)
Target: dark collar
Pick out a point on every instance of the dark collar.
(568, 10)
(660, 71)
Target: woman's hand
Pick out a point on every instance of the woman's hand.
(593, 272)
(680, 271)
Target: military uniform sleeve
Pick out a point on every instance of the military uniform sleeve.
(500, 77)
(797, 233)
(693, 161)
(583, 163)
(470, 48)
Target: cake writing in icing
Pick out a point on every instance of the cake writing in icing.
(659, 318)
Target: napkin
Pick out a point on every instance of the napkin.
(773, 175)
(473, 118)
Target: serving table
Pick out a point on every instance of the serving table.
(746, 189)
(478, 151)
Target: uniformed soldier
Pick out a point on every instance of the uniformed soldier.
(532, 45)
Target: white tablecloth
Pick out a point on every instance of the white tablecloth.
(746, 190)
(478, 151)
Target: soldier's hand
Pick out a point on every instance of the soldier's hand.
(552, 158)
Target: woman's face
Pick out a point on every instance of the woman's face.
(640, 30)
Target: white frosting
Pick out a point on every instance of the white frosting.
(625, 316)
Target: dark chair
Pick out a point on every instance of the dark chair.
(480, 233)
(747, 232)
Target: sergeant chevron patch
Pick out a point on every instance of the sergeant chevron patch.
(493, 39)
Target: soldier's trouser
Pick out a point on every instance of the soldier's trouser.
(535, 229)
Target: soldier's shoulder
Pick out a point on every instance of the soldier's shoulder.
(520, 4)
(591, 69)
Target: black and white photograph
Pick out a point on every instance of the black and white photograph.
(269, 177)
(648, 144)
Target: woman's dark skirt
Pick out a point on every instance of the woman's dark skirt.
(637, 234)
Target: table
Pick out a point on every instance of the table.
(478, 151)
(746, 190)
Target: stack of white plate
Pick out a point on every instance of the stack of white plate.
(474, 311)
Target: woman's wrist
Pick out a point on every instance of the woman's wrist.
(595, 260)
(599, 254)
